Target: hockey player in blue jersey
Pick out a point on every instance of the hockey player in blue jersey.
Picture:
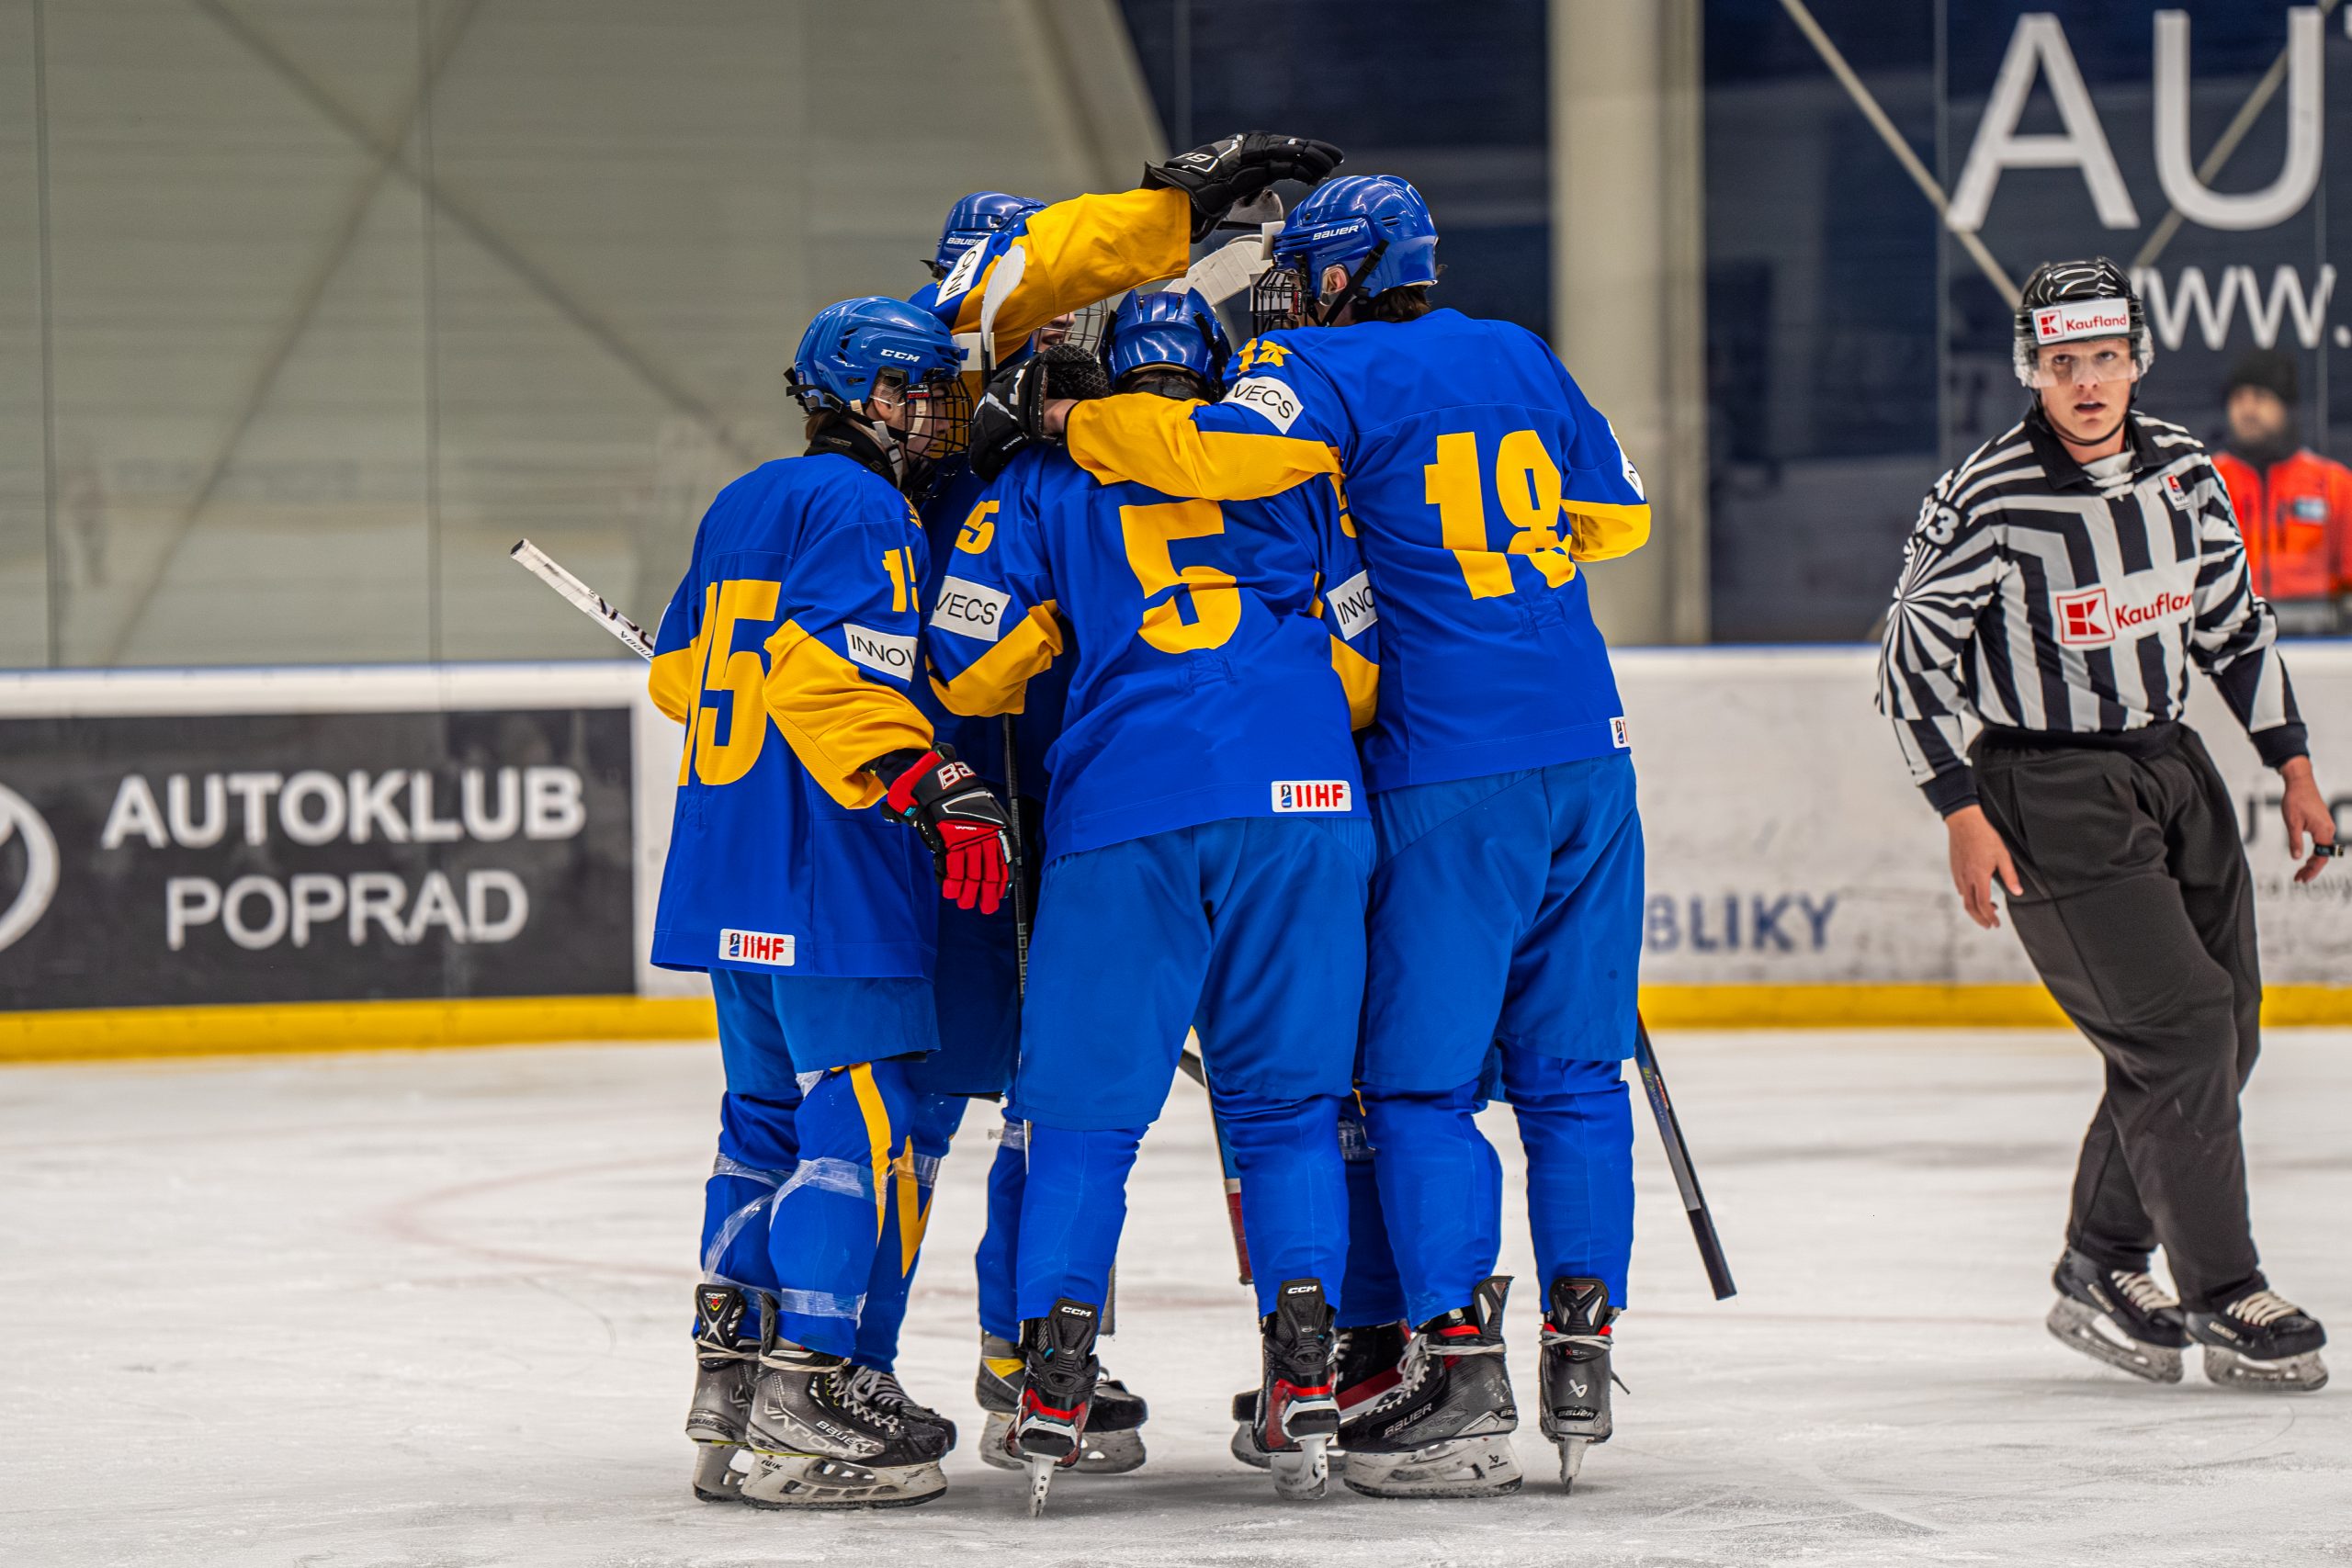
(1505, 916)
(793, 880)
(977, 980)
(1210, 854)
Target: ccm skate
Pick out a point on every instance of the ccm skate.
(1058, 1372)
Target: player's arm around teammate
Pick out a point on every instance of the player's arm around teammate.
(1506, 911)
(787, 652)
(1210, 851)
(2059, 585)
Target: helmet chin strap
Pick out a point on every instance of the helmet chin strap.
(1330, 313)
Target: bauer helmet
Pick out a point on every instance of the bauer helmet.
(1376, 226)
(1169, 329)
(2073, 301)
(971, 220)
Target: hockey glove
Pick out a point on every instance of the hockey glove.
(1217, 176)
(1009, 419)
(965, 826)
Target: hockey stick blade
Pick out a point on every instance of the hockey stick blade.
(589, 603)
(1678, 1158)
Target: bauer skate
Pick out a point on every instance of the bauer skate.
(1367, 1359)
(819, 1438)
(1576, 1372)
(726, 1364)
(1294, 1415)
(1114, 1442)
(2115, 1315)
(1444, 1430)
(1058, 1372)
(2261, 1341)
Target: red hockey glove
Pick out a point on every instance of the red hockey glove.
(943, 799)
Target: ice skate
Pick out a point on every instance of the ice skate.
(1367, 1362)
(2116, 1316)
(1444, 1430)
(1058, 1377)
(1576, 1372)
(820, 1439)
(726, 1363)
(2261, 1341)
(1292, 1418)
(1113, 1438)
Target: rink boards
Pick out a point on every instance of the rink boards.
(234, 861)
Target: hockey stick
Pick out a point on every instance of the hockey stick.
(1677, 1156)
(590, 602)
(1196, 1070)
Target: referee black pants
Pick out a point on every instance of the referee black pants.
(2138, 912)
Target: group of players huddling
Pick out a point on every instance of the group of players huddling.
(1380, 850)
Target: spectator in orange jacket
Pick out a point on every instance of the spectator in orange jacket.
(2293, 506)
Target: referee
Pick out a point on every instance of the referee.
(2057, 587)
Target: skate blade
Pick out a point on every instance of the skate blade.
(1041, 1468)
(717, 1478)
(1303, 1475)
(1463, 1467)
(809, 1481)
(1103, 1453)
(2305, 1373)
(2093, 1334)
(1572, 1459)
(1245, 1448)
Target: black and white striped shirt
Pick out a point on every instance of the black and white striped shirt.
(2038, 594)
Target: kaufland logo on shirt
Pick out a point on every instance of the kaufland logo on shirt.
(1312, 794)
(2088, 318)
(2088, 617)
(756, 947)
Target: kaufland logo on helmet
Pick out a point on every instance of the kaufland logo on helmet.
(2089, 618)
(2084, 318)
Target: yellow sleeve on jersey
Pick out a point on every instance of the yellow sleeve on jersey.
(1154, 441)
(997, 681)
(1360, 677)
(1604, 530)
(835, 720)
(1085, 249)
(672, 684)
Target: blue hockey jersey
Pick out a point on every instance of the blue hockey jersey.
(1478, 477)
(1222, 654)
(787, 653)
(959, 508)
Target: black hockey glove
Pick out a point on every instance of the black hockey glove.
(1009, 419)
(1225, 171)
(964, 825)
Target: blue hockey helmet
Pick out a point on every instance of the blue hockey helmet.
(858, 348)
(972, 220)
(1173, 327)
(1375, 226)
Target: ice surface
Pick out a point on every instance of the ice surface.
(431, 1310)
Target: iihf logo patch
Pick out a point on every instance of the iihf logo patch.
(1313, 795)
(2172, 488)
(756, 947)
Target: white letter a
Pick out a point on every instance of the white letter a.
(2039, 45)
